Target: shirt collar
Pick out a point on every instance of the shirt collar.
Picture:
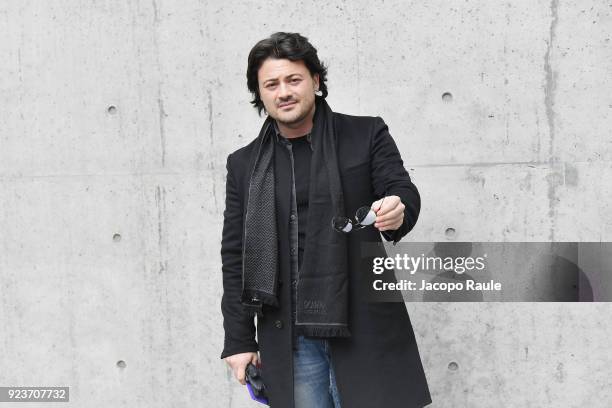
(281, 139)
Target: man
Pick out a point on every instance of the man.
(320, 342)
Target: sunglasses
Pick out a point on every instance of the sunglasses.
(364, 216)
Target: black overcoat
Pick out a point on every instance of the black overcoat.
(379, 365)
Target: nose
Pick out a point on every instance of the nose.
(283, 91)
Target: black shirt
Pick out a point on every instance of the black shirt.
(301, 163)
(299, 151)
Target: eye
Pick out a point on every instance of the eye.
(270, 86)
(295, 80)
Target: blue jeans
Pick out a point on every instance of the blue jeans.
(314, 381)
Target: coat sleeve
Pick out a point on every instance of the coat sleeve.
(389, 177)
(239, 327)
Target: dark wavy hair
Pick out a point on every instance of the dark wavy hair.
(291, 46)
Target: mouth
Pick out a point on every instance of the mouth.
(286, 105)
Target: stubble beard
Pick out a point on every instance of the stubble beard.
(297, 120)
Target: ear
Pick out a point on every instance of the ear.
(315, 79)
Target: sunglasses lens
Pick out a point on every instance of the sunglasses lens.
(365, 216)
(342, 224)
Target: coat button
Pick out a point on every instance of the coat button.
(292, 251)
(278, 324)
(292, 217)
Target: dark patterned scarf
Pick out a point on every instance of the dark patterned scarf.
(322, 289)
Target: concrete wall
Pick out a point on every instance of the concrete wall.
(116, 121)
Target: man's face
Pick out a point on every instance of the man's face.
(287, 90)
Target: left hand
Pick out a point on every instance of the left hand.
(389, 213)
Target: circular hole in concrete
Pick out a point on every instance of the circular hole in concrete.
(117, 237)
(112, 110)
(121, 364)
(450, 232)
(453, 366)
(447, 97)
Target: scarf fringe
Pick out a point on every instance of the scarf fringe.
(325, 331)
(253, 308)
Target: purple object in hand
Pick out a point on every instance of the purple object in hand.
(255, 384)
